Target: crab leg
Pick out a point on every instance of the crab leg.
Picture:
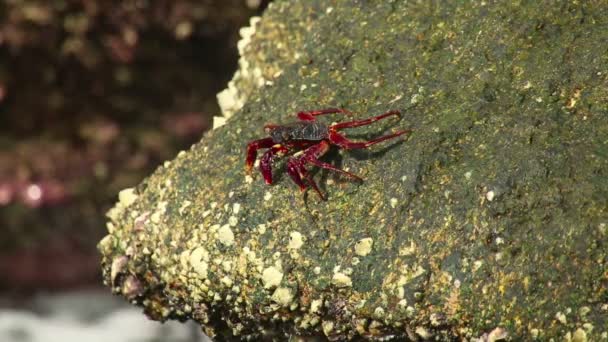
(252, 150)
(345, 143)
(313, 154)
(297, 170)
(312, 182)
(364, 122)
(294, 170)
(310, 115)
(333, 168)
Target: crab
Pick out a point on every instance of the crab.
(307, 140)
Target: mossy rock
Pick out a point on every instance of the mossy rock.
(489, 220)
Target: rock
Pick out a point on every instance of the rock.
(488, 220)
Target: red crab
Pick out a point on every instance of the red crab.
(306, 141)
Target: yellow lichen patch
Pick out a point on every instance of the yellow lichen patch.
(364, 246)
(328, 327)
(110, 227)
(226, 281)
(341, 280)
(408, 250)
(233, 98)
(106, 243)
(267, 196)
(219, 121)
(379, 312)
(199, 259)
(227, 265)
(262, 228)
(579, 335)
(158, 213)
(409, 273)
(271, 277)
(315, 305)
(295, 240)
(283, 296)
(561, 317)
(233, 221)
(225, 235)
(571, 102)
(184, 206)
(423, 332)
(241, 264)
(127, 196)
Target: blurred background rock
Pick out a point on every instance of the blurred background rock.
(93, 96)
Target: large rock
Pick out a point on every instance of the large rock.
(489, 221)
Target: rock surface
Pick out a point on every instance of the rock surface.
(489, 221)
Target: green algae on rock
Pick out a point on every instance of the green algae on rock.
(489, 222)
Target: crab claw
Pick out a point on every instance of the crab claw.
(252, 151)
